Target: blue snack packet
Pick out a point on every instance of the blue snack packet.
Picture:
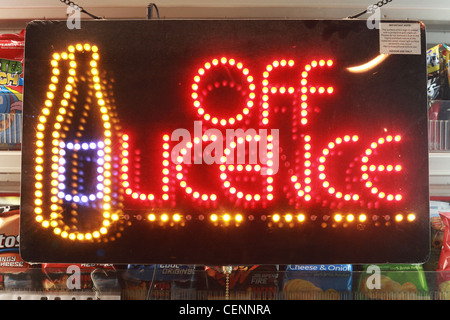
(318, 282)
(165, 281)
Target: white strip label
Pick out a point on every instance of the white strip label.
(400, 38)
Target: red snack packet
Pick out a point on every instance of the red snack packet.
(10, 260)
(444, 260)
(63, 276)
(15, 273)
(255, 282)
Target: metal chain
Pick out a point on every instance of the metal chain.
(227, 270)
(70, 3)
(77, 7)
(382, 3)
(379, 4)
(227, 286)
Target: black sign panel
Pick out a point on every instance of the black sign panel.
(222, 142)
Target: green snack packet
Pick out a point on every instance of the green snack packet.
(393, 282)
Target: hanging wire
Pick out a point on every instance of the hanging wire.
(77, 7)
(150, 8)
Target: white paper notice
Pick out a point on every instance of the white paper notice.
(400, 38)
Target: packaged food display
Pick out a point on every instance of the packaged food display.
(317, 282)
(393, 282)
(11, 87)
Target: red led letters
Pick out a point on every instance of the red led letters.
(180, 155)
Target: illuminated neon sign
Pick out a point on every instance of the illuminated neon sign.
(190, 142)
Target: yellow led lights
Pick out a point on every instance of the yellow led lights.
(53, 124)
(226, 219)
(170, 219)
(336, 218)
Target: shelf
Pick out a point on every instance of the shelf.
(10, 162)
(439, 174)
(256, 284)
(57, 295)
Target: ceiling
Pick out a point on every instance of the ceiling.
(431, 10)
(14, 14)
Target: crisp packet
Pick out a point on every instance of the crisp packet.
(11, 87)
(161, 281)
(443, 274)
(317, 282)
(393, 282)
(14, 272)
(437, 234)
(433, 69)
(259, 282)
(445, 73)
(63, 276)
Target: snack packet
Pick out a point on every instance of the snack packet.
(433, 69)
(446, 72)
(436, 233)
(443, 269)
(393, 282)
(240, 282)
(14, 272)
(11, 87)
(161, 281)
(317, 282)
(63, 276)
